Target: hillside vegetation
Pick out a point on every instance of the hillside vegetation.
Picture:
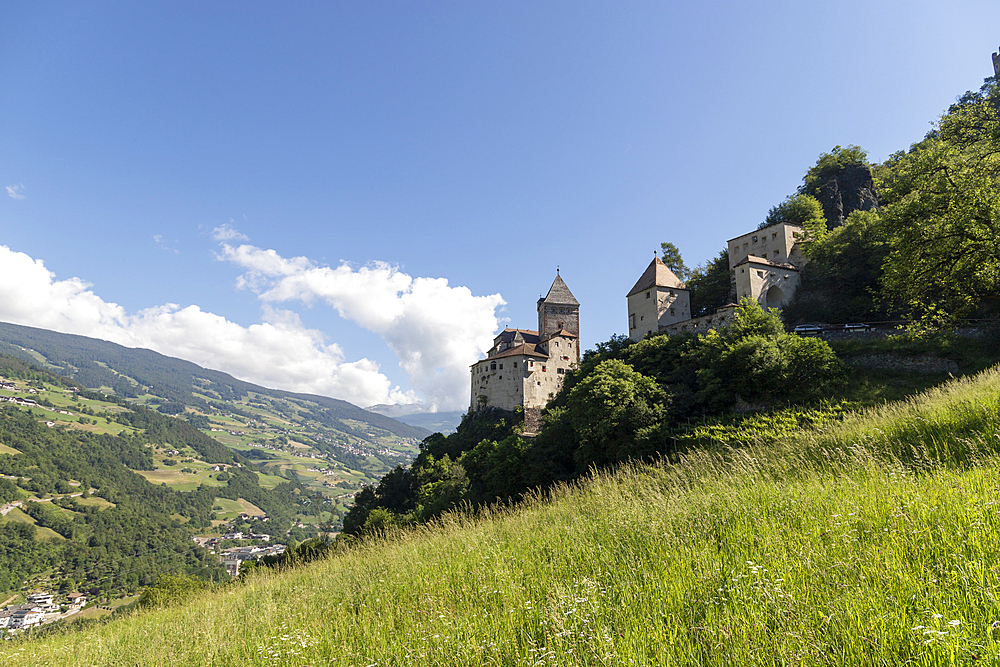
(871, 541)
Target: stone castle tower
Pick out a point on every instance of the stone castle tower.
(996, 64)
(525, 368)
(558, 310)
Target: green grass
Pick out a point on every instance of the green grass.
(269, 481)
(4, 449)
(41, 533)
(94, 501)
(16, 514)
(873, 540)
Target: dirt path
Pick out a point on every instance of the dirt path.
(9, 600)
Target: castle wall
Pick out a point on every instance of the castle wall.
(555, 317)
(501, 381)
(545, 378)
(777, 243)
(720, 319)
(523, 380)
(655, 308)
(771, 286)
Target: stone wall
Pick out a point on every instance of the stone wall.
(923, 364)
(702, 325)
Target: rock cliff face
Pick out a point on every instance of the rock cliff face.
(849, 189)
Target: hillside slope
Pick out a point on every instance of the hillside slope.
(872, 541)
(132, 371)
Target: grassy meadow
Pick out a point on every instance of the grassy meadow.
(871, 540)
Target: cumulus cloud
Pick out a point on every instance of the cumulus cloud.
(15, 191)
(435, 330)
(279, 352)
(227, 233)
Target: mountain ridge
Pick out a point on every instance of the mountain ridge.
(97, 363)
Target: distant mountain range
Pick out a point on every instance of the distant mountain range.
(439, 422)
(133, 372)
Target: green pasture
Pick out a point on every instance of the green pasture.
(94, 501)
(4, 449)
(181, 481)
(41, 532)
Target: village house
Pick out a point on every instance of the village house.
(24, 616)
(45, 601)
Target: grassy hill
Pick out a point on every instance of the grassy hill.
(132, 372)
(330, 446)
(872, 540)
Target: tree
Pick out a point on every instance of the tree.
(841, 282)
(671, 256)
(942, 216)
(710, 285)
(757, 361)
(608, 410)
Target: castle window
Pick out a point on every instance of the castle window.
(560, 371)
(493, 366)
(543, 369)
(515, 364)
(501, 366)
(647, 295)
(631, 321)
(755, 239)
(671, 311)
(775, 253)
(774, 235)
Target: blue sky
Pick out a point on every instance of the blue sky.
(350, 198)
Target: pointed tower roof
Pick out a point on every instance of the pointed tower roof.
(657, 274)
(560, 294)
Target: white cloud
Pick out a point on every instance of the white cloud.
(163, 245)
(15, 191)
(227, 233)
(279, 352)
(434, 329)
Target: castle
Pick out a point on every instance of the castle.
(525, 368)
(764, 265)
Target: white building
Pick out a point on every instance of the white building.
(765, 264)
(658, 299)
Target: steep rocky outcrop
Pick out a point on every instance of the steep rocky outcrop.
(844, 191)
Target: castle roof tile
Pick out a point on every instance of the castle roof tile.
(657, 274)
(754, 259)
(560, 294)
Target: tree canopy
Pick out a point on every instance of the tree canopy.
(942, 216)
(671, 256)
